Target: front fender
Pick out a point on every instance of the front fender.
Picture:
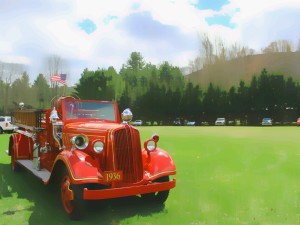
(158, 163)
(79, 166)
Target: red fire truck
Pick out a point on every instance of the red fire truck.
(85, 148)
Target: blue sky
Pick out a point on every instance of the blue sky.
(211, 4)
(223, 20)
(88, 26)
(102, 33)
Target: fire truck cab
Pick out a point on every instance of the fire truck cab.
(85, 148)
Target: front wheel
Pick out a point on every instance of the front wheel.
(157, 197)
(72, 204)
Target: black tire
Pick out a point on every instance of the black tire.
(74, 208)
(1, 130)
(157, 197)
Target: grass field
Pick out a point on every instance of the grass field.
(225, 175)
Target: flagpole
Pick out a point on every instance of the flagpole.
(64, 94)
(56, 91)
(52, 89)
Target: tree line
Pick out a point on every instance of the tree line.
(161, 93)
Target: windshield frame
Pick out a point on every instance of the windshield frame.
(75, 109)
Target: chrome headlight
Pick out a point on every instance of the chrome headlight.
(98, 147)
(80, 141)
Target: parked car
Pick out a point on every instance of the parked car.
(137, 123)
(5, 124)
(220, 122)
(191, 123)
(298, 122)
(267, 122)
(177, 122)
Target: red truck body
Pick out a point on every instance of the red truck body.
(85, 148)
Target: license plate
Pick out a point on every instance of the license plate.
(110, 176)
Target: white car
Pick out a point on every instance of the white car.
(137, 123)
(220, 122)
(191, 123)
(5, 124)
(266, 122)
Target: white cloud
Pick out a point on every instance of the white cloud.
(160, 30)
(5, 47)
(261, 22)
(16, 59)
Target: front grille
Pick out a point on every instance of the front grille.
(128, 154)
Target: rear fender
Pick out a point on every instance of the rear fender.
(21, 145)
(79, 167)
(158, 163)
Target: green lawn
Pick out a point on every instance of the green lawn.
(226, 175)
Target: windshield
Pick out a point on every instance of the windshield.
(266, 119)
(75, 109)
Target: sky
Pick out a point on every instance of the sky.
(101, 33)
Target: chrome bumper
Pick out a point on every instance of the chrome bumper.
(127, 191)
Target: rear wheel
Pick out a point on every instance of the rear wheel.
(1, 130)
(70, 198)
(157, 197)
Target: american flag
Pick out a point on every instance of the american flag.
(60, 78)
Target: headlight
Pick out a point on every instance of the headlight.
(98, 146)
(81, 141)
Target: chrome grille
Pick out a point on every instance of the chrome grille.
(128, 154)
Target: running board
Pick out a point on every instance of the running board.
(43, 174)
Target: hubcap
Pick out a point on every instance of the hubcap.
(67, 194)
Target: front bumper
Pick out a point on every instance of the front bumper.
(127, 191)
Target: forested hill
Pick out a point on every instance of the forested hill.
(229, 73)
